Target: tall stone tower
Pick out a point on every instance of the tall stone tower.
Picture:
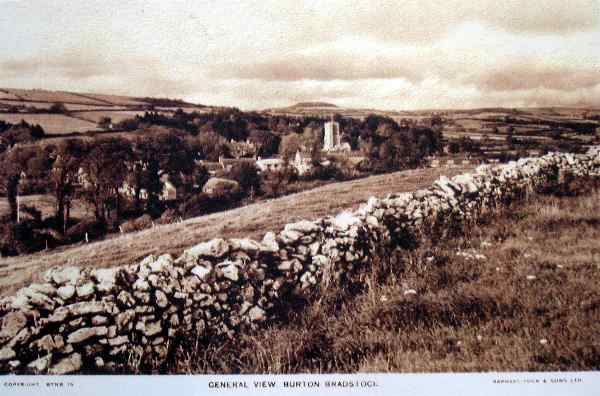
(332, 135)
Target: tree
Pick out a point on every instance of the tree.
(275, 183)
(290, 145)
(200, 176)
(210, 146)
(19, 162)
(247, 176)
(154, 155)
(509, 135)
(468, 145)
(58, 108)
(267, 143)
(64, 177)
(105, 122)
(454, 147)
(104, 172)
(21, 133)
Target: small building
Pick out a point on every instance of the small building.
(169, 191)
(303, 165)
(228, 163)
(270, 164)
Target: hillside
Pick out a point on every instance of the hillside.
(314, 105)
(251, 221)
(84, 110)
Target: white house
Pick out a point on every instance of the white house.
(270, 164)
(302, 165)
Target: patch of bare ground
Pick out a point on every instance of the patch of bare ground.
(251, 221)
(518, 292)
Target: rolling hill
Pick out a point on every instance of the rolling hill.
(84, 110)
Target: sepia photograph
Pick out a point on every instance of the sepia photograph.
(333, 189)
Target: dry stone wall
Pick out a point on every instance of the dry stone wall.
(84, 318)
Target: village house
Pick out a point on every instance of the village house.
(270, 164)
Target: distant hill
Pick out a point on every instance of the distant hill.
(313, 104)
(40, 96)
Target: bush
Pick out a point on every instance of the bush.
(129, 124)
(221, 187)
(169, 216)
(105, 122)
(247, 177)
(58, 108)
(202, 204)
(276, 184)
(327, 172)
(141, 223)
(25, 238)
(94, 228)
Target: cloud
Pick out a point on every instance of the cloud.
(389, 54)
(520, 77)
(323, 66)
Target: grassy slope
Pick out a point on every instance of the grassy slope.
(250, 221)
(114, 106)
(531, 302)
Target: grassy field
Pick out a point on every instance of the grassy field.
(250, 221)
(115, 116)
(52, 123)
(86, 109)
(51, 96)
(518, 293)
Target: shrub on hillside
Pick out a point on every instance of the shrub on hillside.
(25, 237)
(219, 187)
(169, 216)
(141, 223)
(202, 204)
(276, 184)
(247, 177)
(94, 229)
(129, 124)
(58, 108)
(326, 172)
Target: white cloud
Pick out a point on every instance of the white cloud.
(412, 54)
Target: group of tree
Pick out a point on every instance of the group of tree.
(390, 146)
(96, 171)
(22, 132)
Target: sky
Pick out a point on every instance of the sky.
(397, 55)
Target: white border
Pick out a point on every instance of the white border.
(447, 384)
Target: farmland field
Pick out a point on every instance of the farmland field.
(52, 96)
(80, 107)
(52, 123)
(115, 116)
(115, 99)
(37, 105)
(251, 221)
